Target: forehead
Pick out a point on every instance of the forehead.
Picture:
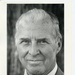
(36, 30)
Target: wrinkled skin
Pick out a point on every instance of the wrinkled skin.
(37, 48)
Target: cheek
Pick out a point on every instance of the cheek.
(50, 57)
(21, 54)
(21, 51)
(49, 52)
(50, 49)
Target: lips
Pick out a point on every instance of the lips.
(34, 59)
(34, 62)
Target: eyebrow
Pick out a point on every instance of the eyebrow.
(42, 39)
(24, 39)
(35, 39)
(39, 39)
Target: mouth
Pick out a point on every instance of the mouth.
(34, 62)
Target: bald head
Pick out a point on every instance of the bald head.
(39, 17)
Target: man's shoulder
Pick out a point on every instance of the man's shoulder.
(59, 72)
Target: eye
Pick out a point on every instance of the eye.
(25, 41)
(42, 41)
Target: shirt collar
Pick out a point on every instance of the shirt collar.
(53, 72)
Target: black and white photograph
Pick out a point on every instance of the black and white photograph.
(35, 39)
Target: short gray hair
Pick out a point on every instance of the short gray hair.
(36, 15)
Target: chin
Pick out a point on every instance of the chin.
(36, 70)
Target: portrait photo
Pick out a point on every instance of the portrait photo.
(35, 39)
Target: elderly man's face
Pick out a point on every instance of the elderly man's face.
(36, 47)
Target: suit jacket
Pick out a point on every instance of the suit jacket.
(59, 72)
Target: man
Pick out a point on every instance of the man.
(38, 41)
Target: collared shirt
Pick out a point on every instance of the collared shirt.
(53, 72)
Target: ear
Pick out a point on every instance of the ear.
(16, 53)
(59, 44)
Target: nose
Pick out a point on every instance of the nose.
(34, 50)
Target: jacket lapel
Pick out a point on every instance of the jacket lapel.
(59, 72)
